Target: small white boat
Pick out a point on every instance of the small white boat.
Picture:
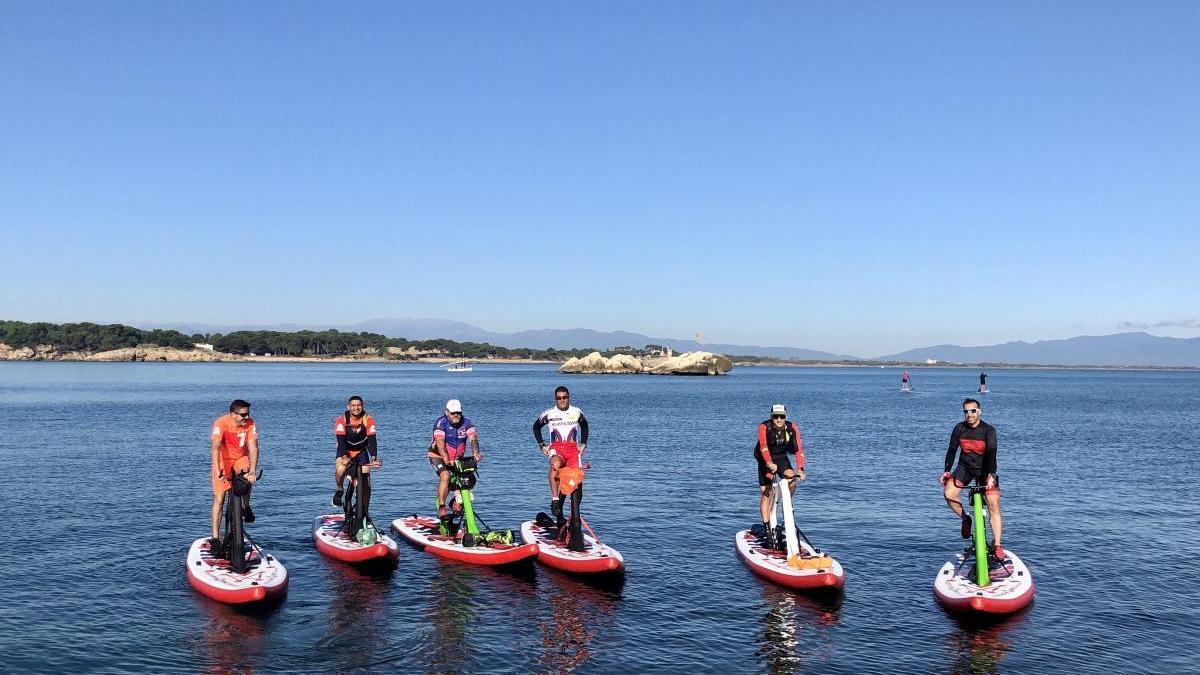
(458, 367)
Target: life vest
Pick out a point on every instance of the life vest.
(779, 441)
(356, 435)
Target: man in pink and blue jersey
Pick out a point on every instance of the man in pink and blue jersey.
(451, 434)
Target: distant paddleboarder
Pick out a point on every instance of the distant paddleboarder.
(904, 385)
(982, 382)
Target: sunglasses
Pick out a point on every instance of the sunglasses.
(778, 417)
(245, 414)
(561, 398)
(456, 413)
(969, 411)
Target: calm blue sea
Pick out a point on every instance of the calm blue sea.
(107, 472)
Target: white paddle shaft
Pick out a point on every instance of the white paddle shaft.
(783, 494)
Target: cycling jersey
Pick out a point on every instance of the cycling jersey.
(456, 437)
(568, 428)
(234, 437)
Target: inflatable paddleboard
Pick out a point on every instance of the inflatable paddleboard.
(1010, 587)
(422, 532)
(264, 579)
(814, 571)
(596, 558)
(334, 541)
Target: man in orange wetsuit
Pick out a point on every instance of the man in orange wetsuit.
(234, 450)
(354, 432)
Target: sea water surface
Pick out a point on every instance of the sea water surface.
(107, 468)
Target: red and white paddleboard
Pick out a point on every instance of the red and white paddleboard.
(422, 532)
(816, 571)
(1010, 589)
(335, 542)
(264, 579)
(596, 558)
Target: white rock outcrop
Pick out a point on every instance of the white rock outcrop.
(691, 363)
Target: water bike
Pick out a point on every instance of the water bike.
(976, 582)
(783, 553)
(457, 536)
(237, 571)
(564, 545)
(351, 536)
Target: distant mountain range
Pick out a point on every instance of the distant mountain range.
(1122, 349)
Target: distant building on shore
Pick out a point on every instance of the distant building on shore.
(205, 346)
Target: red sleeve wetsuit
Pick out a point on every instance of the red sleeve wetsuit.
(978, 458)
(775, 446)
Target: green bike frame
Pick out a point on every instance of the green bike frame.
(982, 578)
(464, 496)
(468, 512)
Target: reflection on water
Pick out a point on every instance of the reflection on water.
(451, 614)
(790, 616)
(459, 593)
(357, 614)
(233, 637)
(978, 646)
(576, 611)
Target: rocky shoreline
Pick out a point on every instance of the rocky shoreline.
(689, 363)
(176, 355)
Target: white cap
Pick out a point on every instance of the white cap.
(779, 409)
(453, 405)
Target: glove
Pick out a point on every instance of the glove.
(990, 483)
(945, 477)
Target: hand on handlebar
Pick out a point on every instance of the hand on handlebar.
(990, 483)
(544, 448)
(376, 463)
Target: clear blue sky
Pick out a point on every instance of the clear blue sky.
(863, 180)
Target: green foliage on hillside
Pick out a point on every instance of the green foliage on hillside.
(93, 337)
(87, 336)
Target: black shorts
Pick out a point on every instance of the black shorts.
(363, 457)
(782, 463)
(962, 477)
(438, 465)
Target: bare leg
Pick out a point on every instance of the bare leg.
(764, 502)
(993, 503)
(216, 516)
(443, 488)
(339, 471)
(555, 464)
(951, 493)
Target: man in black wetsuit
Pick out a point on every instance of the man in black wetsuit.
(977, 462)
(982, 382)
(778, 441)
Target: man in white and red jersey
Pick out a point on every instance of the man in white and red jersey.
(568, 440)
(234, 449)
